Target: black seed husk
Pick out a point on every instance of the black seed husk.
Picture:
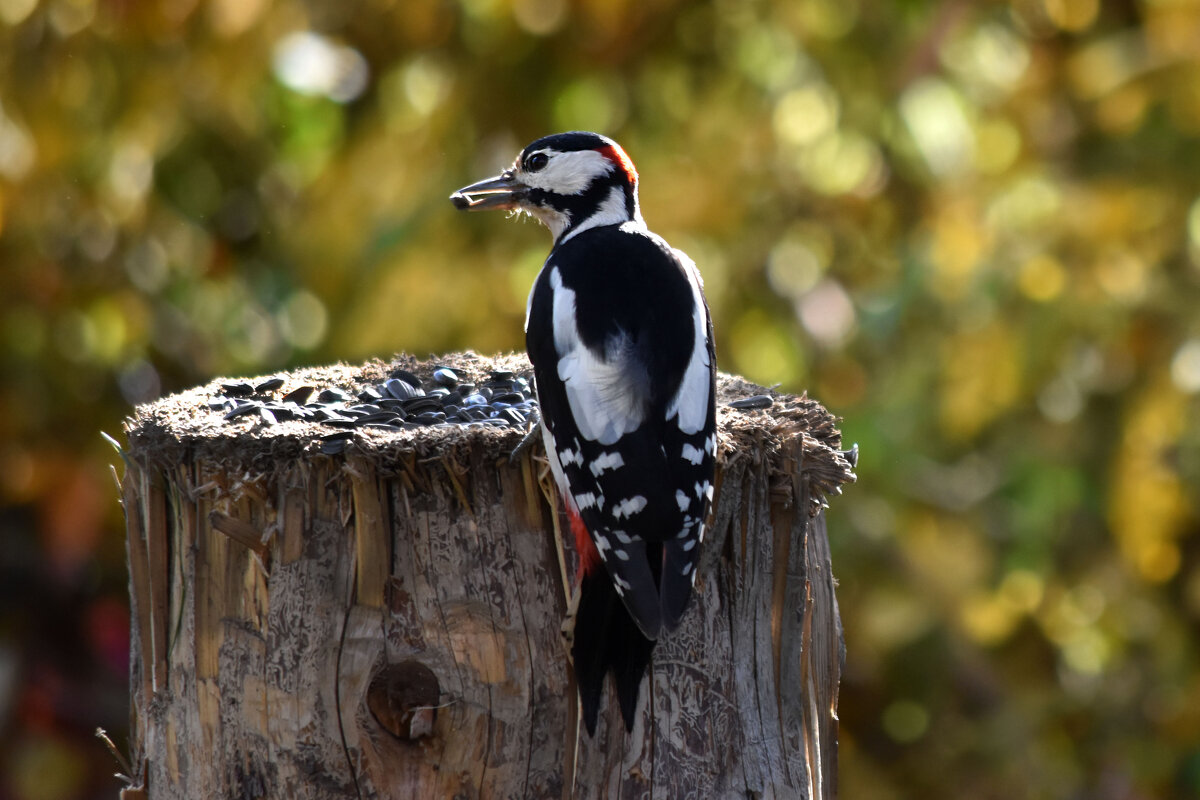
(758, 401)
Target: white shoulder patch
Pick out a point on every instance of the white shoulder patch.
(605, 392)
(691, 401)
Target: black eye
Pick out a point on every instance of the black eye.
(536, 162)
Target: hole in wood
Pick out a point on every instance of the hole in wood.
(403, 698)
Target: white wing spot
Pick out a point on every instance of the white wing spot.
(610, 460)
(689, 544)
(629, 506)
(602, 544)
(622, 537)
(710, 444)
(570, 456)
(621, 584)
(704, 490)
(687, 568)
(583, 501)
(700, 536)
(682, 499)
(692, 454)
(621, 554)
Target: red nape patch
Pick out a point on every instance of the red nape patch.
(617, 156)
(589, 556)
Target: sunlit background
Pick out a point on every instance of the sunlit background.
(972, 229)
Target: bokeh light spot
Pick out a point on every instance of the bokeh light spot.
(827, 313)
(987, 619)
(997, 146)
(806, 114)
(312, 64)
(768, 56)
(1193, 230)
(1042, 278)
(1022, 590)
(795, 265)
(17, 150)
(905, 721)
(1026, 204)
(842, 162)
(540, 17)
(303, 320)
(44, 768)
(1185, 366)
(230, 18)
(829, 19)
(933, 112)
(426, 84)
(1072, 15)
(14, 12)
(1122, 274)
(591, 104)
(1061, 399)
(763, 351)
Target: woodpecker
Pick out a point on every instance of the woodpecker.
(620, 337)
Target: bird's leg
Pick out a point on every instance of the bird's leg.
(534, 433)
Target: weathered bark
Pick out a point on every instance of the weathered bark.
(386, 623)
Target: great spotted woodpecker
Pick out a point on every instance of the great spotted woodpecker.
(621, 342)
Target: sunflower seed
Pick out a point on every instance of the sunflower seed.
(407, 377)
(445, 377)
(401, 390)
(756, 402)
(300, 395)
(335, 443)
(242, 409)
(333, 396)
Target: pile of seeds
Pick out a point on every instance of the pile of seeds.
(402, 402)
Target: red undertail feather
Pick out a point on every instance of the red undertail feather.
(589, 556)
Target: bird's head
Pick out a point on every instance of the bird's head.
(568, 181)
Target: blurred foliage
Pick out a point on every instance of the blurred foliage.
(971, 229)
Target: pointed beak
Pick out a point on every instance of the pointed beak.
(503, 191)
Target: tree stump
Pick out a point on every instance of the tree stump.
(385, 621)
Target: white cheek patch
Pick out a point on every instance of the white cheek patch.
(567, 173)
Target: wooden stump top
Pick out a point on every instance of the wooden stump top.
(182, 425)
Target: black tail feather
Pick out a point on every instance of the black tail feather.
(607, 639)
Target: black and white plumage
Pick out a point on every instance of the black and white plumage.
(621, 342)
